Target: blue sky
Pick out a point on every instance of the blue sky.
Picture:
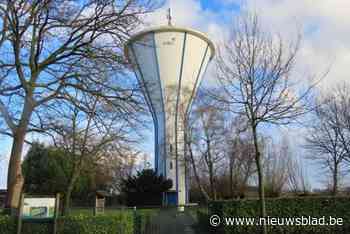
(325, 44)
(219, 5)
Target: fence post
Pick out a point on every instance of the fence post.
(137, 223)
(56, 214)
(95, 208)
(20, 212)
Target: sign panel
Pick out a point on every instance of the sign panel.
(99, 206)
(38, 207)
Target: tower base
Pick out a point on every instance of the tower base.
(170, 198)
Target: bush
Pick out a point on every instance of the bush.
(145, 188)
(7, 225)
(282, 208)
(81, 224)
(36, 227)
(143, 220)
(121, 224)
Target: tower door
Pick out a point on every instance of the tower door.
(171, 198)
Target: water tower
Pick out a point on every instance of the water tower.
(169, 63)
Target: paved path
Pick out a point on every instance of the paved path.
(170, 221)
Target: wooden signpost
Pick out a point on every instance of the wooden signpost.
(100, 201)
(38, 209)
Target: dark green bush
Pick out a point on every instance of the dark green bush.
(7, 225)
(81, 224)
(283, 208)
(143, 220)
(145, 188)
(121, 224)
(37, 227)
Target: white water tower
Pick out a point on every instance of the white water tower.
(169, 63)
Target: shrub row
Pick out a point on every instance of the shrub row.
(81, 224)
(121, 224)
(7, 225)
(315, 207)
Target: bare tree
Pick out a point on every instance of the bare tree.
(276, 166)
(205, 139)
(233, 162)
(240, 156)
(49, 48)
(211, 142)
(88, 136)
(254, 74)
(297, 178)
(123, 163)
(191, 158)
(338, 115)
(327, 137)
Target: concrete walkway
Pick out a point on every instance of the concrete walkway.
(169, 221)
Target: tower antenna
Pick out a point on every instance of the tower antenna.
(169, 17)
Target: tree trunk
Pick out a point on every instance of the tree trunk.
(210, 169)
(260, 178)
(335, 179)
(196, 176)
(231, 177)
(67, 198)
(211, 181)
(69, 191)
(14, 176)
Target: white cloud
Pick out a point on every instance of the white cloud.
(189, 13)
(325, 27)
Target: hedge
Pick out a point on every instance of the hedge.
(281, 208)
(81, 224)
(143, 220)
(121, 224)
(7, 225)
